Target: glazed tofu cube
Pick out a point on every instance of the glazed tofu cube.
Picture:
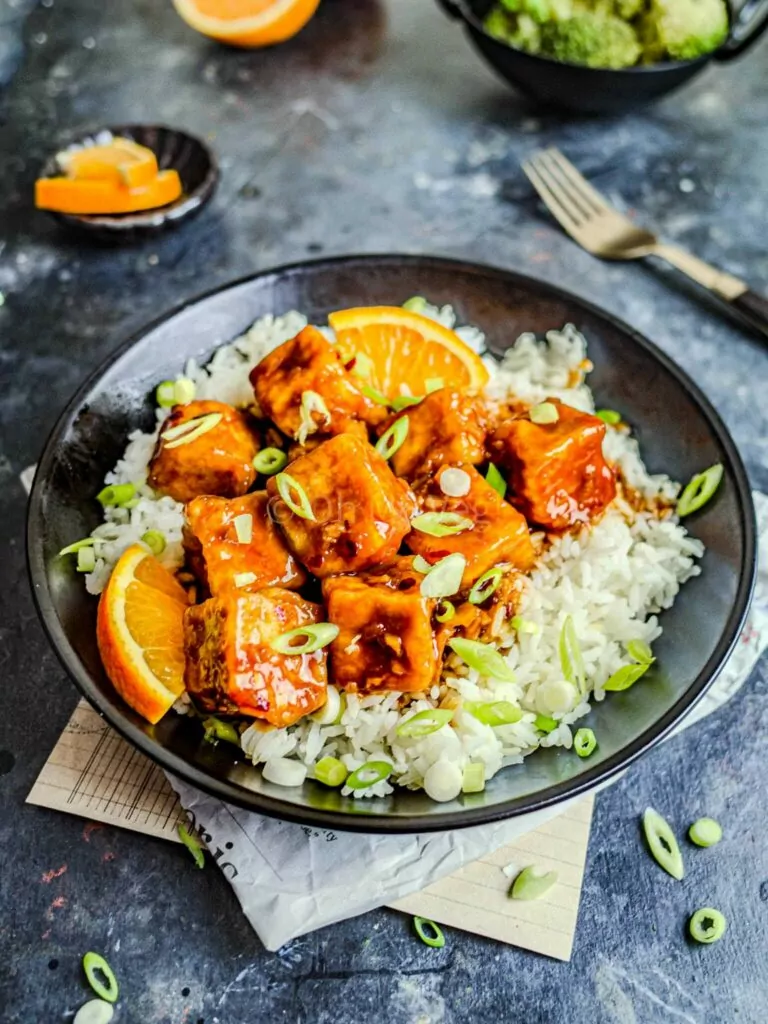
(385, 639)
(447, 426)
(221, 560)
(498, 535)
(556, 471)
(231, 667)
(309, 362)
(214, 456)
(361, 511)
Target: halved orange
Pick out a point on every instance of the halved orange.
(94, 196)
(140, 631)
(406, 350)
(247, 23)
(121, 161)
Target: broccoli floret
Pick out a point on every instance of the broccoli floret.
(520, 31)
(684, 29)
(591, 40)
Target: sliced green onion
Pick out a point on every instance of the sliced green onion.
(269, 461)
(115, 495)
(422, 565)
(494, 713)
(243, 525)
(524, 625)
(441, 524)
(244, 579)
(331, 771)
(405, 401)
(445, 611)
(423, 723)
(362, 366)
(532, 883)
(184, 390)
(640, 651)
(705, 832)
(93, 963)
(186, 433)
(130, 504)
(375, 396)
(482, 657)
(165, 394)
(429, 933)
(445, 578)
(609, 416)
(544, 723)
(286, 487)
(312, 404)
(216, 730)
(95, 1011)
(473, 779)
(71, 549)
(584, 742)
(330, 713)
(571, 660)
(699, 490)
(369, 774)
(416, 304)
(486, 585)
(86, 560)
(393, 438)
(707, 925)
(155, 541)
(625, 677)
(193, 844)
(316, 636)
(433, 384)
(496, 480)
(544, 413)
(662, 844)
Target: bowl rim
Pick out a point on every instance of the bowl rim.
(373, 822)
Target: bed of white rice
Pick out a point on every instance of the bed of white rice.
(612, 579)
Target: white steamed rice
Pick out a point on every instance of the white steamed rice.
(612, 579)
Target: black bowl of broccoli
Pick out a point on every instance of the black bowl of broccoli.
(605, 56)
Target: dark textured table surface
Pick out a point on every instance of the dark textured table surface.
(376, 129)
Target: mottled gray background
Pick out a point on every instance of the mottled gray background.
(376, 129)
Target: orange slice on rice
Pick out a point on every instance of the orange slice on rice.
(247, 23)
(406, 353)
(121, 161)
(140, 631)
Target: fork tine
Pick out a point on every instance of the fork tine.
(577, 179)
(551, 201)
(569, 197)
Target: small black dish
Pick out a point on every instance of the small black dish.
(175, 149)
(599, 90)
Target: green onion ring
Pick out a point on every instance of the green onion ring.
(193, 844)
(445, 578)
(544, 414)
(486, 585)
(155, 541)
(441, 524)
(186, 433)
(86, 560)
(482, 657)
(445, 610)
(625, 677)
(662, 844)
(165, 394)
(330, 771)
(544, 723)
(609, 416)
(532, 883)
(393, 438)
(436, 940)
(422, 565)
(496, 480)
(115, 495)
(494, 713)
(473, 778)
(640, 652)
(416, 304)
(269, 461)
(216, 730)
(705, 832)
(302, 508)
(707, 925)
(318, 635)
(71, 549)
(369, 774)
(699, 490)
(571, 660)
(93, 962)
(584, 742)
(424, 723)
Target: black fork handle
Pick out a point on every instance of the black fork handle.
(753, 308)
(747, 25)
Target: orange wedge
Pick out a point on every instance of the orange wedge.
(90, 196)
(406, 352)
(247, 23)
(140, 631)
(122, 161)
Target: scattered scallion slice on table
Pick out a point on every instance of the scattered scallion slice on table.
(429, 933)
(115, 495)
(700, 489)
(95, 1011)
(424, 723)
(707, 925)
(496, 480)
(317, 635)
(705, 832)
(270, 461)
(486, 585)
(532, 883)
(243, 525)
(584, 742)
(571, 660)
(216, 730)
(369, 774)
(445, 578)
(445, 611)
(544, 413)
(330, 771)
(662, 844)
(96, 967)
(495, 712)
(72, 549)
(86, 560)
(609, 416)
(186, 433)
(294, 496)
(473, 779)
(441, 524)
(193, 844)
(393, 438)
(155, 541)
(484, 658)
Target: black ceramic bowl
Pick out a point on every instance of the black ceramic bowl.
(598, 90)
(174, 149)
(680, 433)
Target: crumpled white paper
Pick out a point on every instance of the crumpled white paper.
(291, 879)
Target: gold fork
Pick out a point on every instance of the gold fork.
(600, 229)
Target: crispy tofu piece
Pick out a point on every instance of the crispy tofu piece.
(499, 534)
(446, 426)
(221, 562)
(361, 510)
(219, 461)
(556, 471)
(385, 639)
(231, 668)
(309, 362)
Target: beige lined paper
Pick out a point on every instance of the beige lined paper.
(93, 772)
